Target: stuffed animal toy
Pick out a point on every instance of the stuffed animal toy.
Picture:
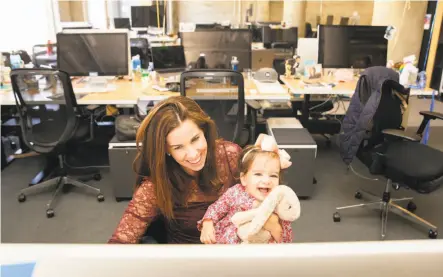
(282, 200)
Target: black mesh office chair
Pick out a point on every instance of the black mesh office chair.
(52, 124)
(221, 94)
(387, 151)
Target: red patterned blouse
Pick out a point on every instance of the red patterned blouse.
(236, 199)
(142, 209)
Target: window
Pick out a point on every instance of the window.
(23, 27)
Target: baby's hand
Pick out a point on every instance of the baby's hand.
(208, 232)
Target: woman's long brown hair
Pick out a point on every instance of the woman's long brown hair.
(172, 183)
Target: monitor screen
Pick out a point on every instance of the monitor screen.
(352, 46)
(219, 46)
(145, 16)
(93, 53)
(287, 35)
(122, 23)
(168, 57)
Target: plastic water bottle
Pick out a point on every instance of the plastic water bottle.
(234, 66)
(16, 60)
(422, 80)
(234, 63)
(136, 67)
(201, 61)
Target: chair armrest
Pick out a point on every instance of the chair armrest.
(400, 134)
(427, 115)
(432, 115)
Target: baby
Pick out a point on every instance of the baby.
(259, 174)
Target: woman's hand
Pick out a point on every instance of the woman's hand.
(274, 227)
(208, 232)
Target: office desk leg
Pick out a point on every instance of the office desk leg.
(45, 173)
(305, 108)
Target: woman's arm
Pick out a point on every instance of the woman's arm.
(141, 211)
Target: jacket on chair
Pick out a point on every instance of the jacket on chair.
(363, 105)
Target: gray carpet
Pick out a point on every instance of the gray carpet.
(81, 219)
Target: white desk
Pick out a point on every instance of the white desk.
(342, 88)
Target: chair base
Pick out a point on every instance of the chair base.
(57, 184)
(385, 205)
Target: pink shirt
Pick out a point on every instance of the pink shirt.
(234, 200)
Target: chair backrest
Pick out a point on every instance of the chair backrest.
(221, 94)
(47, 107)
(389, 114)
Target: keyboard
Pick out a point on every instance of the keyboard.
(98, 89)
(217, 90)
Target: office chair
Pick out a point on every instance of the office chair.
(40, 57)
(309, 33)
(330, 20)
(227, 109)
(140, 46)
(54, 132)
(344, 20)
(387, 151)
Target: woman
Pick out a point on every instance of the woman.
(185, 168)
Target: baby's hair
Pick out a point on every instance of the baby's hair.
(249, 154)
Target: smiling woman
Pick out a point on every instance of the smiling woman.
(185, 168)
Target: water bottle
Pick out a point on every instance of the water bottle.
(422, 80)
(234, 66)
(136, 67)
(16, 60)
(234, 63)
(201, 61)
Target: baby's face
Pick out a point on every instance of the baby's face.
(262, 177)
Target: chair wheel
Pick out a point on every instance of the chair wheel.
(336, 217)
(49, 213)
(411, 207)
(358, 195)
(97, 177)
(100, 198)
(395, 186)
(21, 198)
(433, 234)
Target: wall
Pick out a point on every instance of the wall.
(205, 11)
(71, 11)
(408, 19)
(218, 11)
(338, 9)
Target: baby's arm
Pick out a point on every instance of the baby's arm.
(219, 208)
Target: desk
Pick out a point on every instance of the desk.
(296, 86)
(130, 93)
(251, 93)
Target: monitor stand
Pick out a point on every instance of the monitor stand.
(94, 83)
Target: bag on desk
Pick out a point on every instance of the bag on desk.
(126, 127)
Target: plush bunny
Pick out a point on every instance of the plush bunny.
(282, 200)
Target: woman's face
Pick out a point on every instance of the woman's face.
(188, 146)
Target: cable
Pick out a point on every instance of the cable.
(321, 104)
(360, 175)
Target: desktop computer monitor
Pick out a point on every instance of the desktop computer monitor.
(168, 58)
(288, 36)
(122, 23)
(352, 46)
(405, 258)
(145, 16)
(219, 46)
(93, 52)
